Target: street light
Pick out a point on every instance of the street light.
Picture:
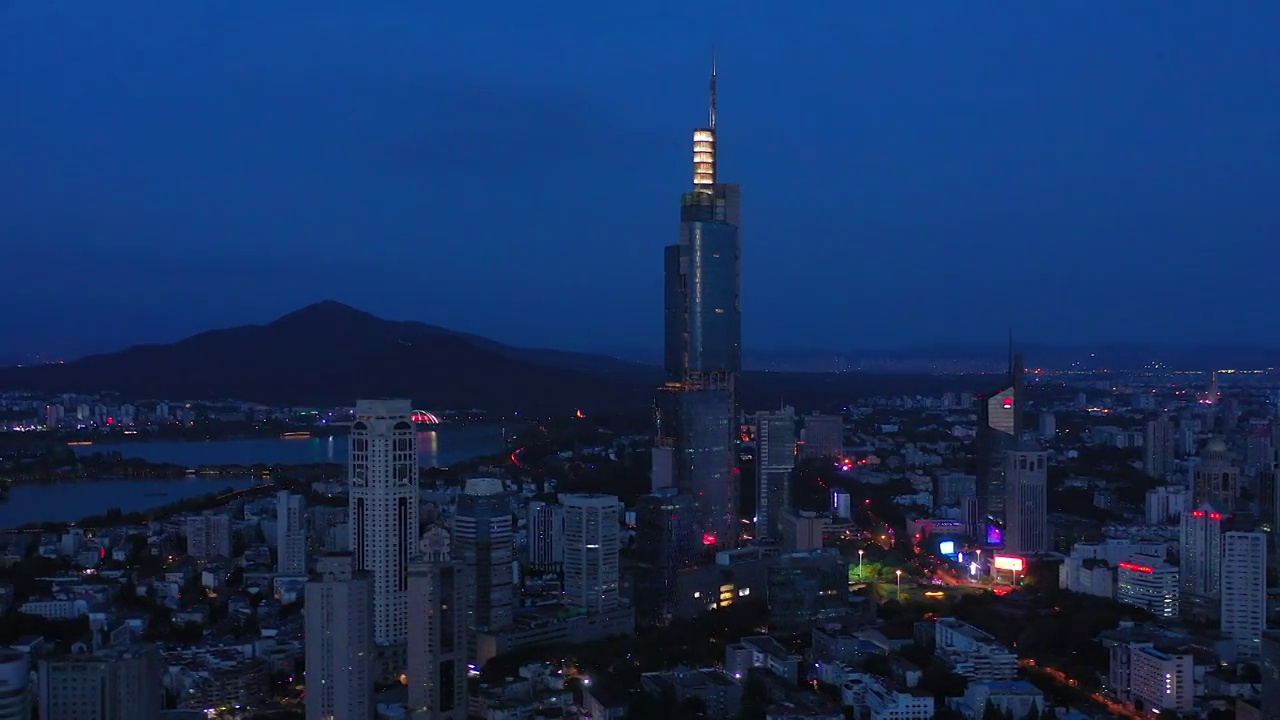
(899, 584)
(860, 554)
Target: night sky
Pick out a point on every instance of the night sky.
(913, 173)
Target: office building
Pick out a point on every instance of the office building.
(483, 541)
(339, 640)
(1244, 591)
(591, 545)
(383, 508)
(544, 530)
(775, 460)
(291, 534)
(1026, 509)
(437, 672)
(209, 537)
(665, 541)
(1158, 447)
(999, 432)
(1216, 480)
(953, 488)
(822, 436)
(15, 685)
(1148, 582)
(805, 590)
(122, 683)
(696, 409)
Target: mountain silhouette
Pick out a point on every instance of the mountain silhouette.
(330, 354)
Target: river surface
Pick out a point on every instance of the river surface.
(435, 448)
(60, 502)
(63, 502)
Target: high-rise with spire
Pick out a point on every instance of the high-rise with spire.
(999, 432)
(697, 407)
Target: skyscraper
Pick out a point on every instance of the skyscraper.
(1201, 569)
(1157, 447)
(339, 640)
(209, 537)
(383, 508)
(437, 672)
(775, 459)
(999, 431)
(544, 527)
(485, 545)
(591, 547)
(1244, 591)
(1026, 509)
(697, 408)
(291, 534)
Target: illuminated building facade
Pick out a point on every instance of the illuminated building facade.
(1148, 582)
(697, 407)
(998, 433)
(383, 508)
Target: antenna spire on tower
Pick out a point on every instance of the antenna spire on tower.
(712, 109)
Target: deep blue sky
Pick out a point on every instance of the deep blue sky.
(912, 172)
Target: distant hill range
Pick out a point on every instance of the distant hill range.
(331, 354)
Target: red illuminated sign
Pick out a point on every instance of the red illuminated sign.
(1198, 513)
(709, 539)
(1137, 568)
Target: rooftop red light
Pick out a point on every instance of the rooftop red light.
(1136, 567)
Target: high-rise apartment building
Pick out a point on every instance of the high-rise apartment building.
(1158, 447)
(999, 431)
(437, 673)
(1201, 539)
(591, 545)
(383, 508)
(291, 534)
(1162, 681)
(697, 408)
(339, 640)
(1217, 481)
(775, 460)
(1026, 508)
(1244, 591)
(121, 683)
(209, 537)
(484, 542)
(1166, 504)
(544, 530)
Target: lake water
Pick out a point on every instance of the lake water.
(61, 502)
(435, 448)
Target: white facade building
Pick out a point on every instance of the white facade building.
(1244, 591)
(1160, 681)
(1166, 503)
(971, 652)
(339, 640)
(591, 547)
(383, 508)
(291, 534)
(1148, 582)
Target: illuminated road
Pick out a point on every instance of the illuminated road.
(1061, 678)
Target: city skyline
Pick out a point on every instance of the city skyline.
(1073, 143)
